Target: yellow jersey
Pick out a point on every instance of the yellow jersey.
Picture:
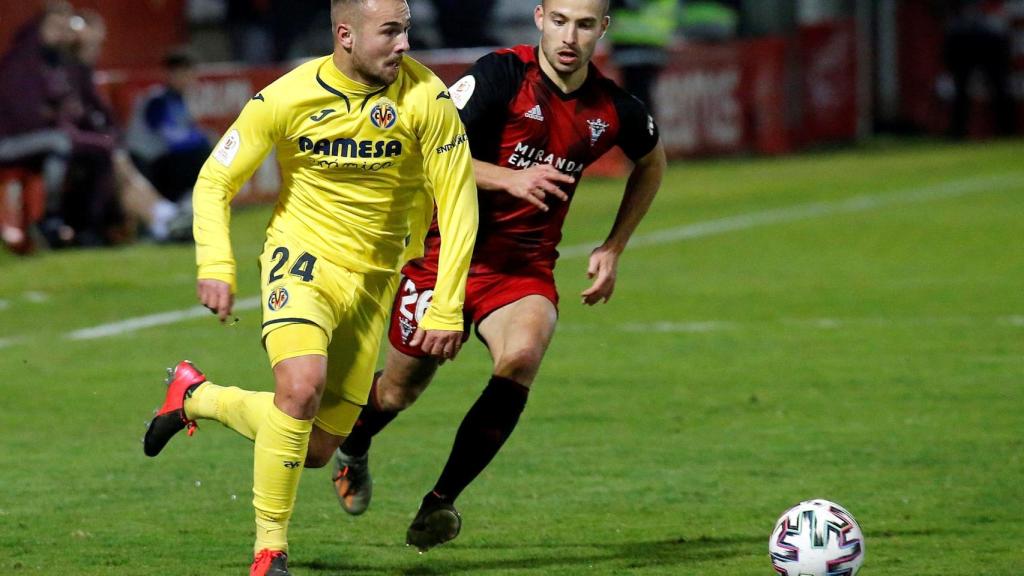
(362, 168)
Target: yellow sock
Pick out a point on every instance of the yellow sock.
(241, 410)
(280, 454)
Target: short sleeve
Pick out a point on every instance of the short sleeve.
(638, 132)
(482, 97)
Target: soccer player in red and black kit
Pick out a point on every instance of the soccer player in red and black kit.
(535, 117)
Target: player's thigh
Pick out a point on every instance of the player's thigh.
(299, 288)
(518, 335)
(298, 357)
(352, 353)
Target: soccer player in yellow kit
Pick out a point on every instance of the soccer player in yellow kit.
(368, 141)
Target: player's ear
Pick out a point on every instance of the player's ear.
(605, 22)
(343, 35)
(538, 17)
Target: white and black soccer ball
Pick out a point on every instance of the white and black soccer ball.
(816, 538)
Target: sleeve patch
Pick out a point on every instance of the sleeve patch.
(462, 91)
(228, 148)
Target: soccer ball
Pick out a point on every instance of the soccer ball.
(816, 538)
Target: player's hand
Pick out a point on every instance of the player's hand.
(440, 344)
(216, 296)
(604, 263)
(535, 183)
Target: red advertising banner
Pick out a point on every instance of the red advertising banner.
(724, 99)
(828, 62)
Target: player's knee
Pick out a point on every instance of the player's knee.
(297, 392)
(520, 365)
(394, 398)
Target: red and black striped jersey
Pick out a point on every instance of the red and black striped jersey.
(516, 117)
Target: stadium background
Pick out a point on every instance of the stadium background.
(825, 301)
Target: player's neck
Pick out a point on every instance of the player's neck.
(567, 83)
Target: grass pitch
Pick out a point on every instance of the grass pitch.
(770, 340)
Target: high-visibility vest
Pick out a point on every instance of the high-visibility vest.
(650, 22)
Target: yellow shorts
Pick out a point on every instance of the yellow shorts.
(351, 311)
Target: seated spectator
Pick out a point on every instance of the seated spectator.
(112, 196)
(93, 210)
(35, 87)
(163, 138)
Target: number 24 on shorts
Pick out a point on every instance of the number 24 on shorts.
(303, 266)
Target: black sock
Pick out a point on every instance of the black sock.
(371, 420)
(483, 431)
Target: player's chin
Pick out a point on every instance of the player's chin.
(389, 73)
(567, 68)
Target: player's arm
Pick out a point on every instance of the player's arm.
(532, 184)
(482, 97)
(638, 138)
(237, 155)
(642, 186)
(447, 164)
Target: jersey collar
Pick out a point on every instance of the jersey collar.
(334, 81)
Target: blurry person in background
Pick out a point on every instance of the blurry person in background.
(113, 196)
(248, 26)
(640, 38)
(709, 20)
(93, 210)
(464, 28)
(33, 89)
(978, 40)
(164, 139)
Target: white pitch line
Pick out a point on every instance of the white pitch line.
(7, 342)
(666, 327)
(811, 210)
(162, 319)
(667, 236)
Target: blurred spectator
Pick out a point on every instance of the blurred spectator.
(248, 24)
(163, 138)
(463, 27)
(640, 33)
(93, 209)
(33, 92)
(113, 197)
(978, 40)
(263, 31)
(710, 21)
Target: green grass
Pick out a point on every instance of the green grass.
(872, 357)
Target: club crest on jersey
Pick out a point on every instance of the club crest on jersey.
(383, 114)
(597, 128)
(278, 299)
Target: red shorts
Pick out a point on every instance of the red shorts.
(485, 293)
